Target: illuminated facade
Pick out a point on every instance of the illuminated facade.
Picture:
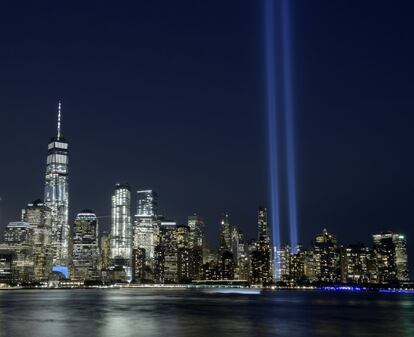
(121, 229)
(39, 216)
(261, 253)
(326, 257)
(18, 238)
(105, 251)
(85, 254)
(390, 251)
(56, 195)
(166, 257)
(147, 203)
(196, 225)
(225, 234)
(355, 264)
(146, 229)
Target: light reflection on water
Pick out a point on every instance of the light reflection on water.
(155, 312)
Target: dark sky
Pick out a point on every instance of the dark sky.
(170, 95)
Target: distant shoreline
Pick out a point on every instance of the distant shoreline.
(221, 288)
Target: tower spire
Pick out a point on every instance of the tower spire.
(59, 116)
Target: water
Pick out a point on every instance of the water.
(169, 313)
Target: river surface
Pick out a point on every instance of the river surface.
(195, 313)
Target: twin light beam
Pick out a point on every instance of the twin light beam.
(274, 116)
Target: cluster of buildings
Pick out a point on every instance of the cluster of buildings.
(327, 262)
(144, 247)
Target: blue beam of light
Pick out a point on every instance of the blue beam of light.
(272, 119)
(290, 143)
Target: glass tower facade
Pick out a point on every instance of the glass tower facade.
(56, 195)
(121, 228)
(147, 203)
(85, 246)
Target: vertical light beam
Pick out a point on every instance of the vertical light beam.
(290, 145)
(272, 119)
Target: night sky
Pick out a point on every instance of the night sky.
(170, 95)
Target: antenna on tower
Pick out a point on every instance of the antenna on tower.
(58, 121)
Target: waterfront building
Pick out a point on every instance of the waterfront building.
(326, 258)
(355, 261)
(85, 255)
(39, 216)
(390, 251)
(146, 228)
(261, 253)
(56, 195)
(7, 272)
(310, 266)
(146, 235)
(297, 267)
(166, 257)
(18, 239)
(121, 230)
(282, 263)
(183, 254)
(240, 254)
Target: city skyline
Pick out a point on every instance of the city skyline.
(146, 205)
(167, 101)
(198, 168)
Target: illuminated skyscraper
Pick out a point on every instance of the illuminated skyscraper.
(196, 225)
(326, 257)
(85, 246)
(225, 234)
(105, 251)
(355, 261)
(147, 203)
(121, 228)
(261, 252)
(166, 257)
(18, 238)
(390, 251)
(56, 194)
(146, 230)
(38, 215)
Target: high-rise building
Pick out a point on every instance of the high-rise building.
(326, 257)
(39, 216)
(139, 266)
(18, 238)
(390, 251)
(261, 253)
(355, 261)
(225, 234)
(166, 257)
(147, 203)
(145, 236)
(57, 196)
(240, 254)
(85, 254)
(196, 245)
(121, 229)
(146, 230)
(7, 274)
(105, 251)
(183, 254)
(196, 225)
(282, 263)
